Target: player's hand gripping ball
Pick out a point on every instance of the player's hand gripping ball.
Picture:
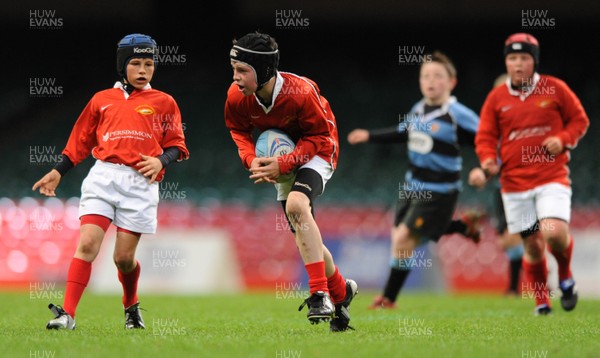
(274, 143)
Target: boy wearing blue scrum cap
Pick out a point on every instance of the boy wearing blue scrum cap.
(133, 132)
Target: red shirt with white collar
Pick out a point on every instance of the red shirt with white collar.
(513, 124)
(298, 108)
(116, 127)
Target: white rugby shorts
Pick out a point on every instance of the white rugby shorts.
(523, 209)
(317, 164)
(121, 194)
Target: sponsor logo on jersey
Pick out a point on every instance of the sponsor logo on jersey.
(126, 133)
(419, 142)
(529, 132)
(145, 109)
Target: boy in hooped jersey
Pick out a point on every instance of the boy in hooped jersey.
(530, 124)
(435, 129)
(262, 97)
(133, 131)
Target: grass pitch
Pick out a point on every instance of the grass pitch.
(267, 325)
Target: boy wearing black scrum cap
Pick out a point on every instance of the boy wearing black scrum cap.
(261, 98)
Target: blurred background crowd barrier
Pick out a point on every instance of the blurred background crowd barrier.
(234, 248)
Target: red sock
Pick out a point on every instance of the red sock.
(317, 281)
(129, 281)
(337, 286)
(536, 276)
(78, 277)
(563, 259)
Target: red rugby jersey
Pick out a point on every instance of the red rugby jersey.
(298, 109)
(514, 124)
(116, 129)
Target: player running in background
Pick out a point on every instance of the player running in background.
(133, 131)
(435, 129)
(261, 98)
(530, 124)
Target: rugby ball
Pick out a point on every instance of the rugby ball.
(274, 143)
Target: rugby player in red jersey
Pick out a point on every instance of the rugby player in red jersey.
(133, 131)
(261, 97)
(526, 131)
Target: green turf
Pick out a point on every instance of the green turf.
(267, 325)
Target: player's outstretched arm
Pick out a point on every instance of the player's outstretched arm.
(48, 183)
(381, 135)
(358, 136)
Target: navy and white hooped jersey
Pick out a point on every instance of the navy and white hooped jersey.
(435, 136)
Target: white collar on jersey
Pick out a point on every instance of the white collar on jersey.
(119, 84)
(420, 109)
(276, 89)
(523, 94)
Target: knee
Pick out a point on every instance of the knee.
(398, 235)
(401, 238)
(535, 247)
(555, 233)
(297, 206)
(556, 241)
(88, 247)
(124, 261)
